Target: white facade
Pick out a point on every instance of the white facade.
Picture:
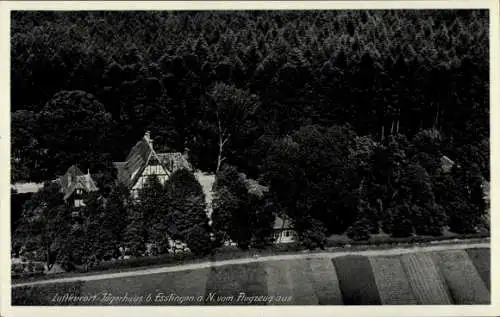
(153, 169)
(284, 236)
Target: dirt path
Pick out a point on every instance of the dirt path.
(194, 266)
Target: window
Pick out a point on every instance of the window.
(79, 203)
(287, 234)
(79, 191)
(135, 193)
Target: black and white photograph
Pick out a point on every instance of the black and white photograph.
(250, 157)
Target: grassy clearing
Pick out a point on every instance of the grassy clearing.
(302, 286)
(392, 282)
(46, 295)
(325, 282)
(465, 285)
(481, 260)
(425, 280)
(279, 281)
(356, 280)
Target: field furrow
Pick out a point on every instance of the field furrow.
(224, 285)
(481, 260)
(392, 282)
(181, 288)
(302, 286)
(464, 282)
(356, 280)
(253, 284)
(278, 280)
(426, 283)
(325, 282)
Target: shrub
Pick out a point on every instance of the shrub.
(198, 240)
(30, 267)
(400, 221)
(360, 230)
(313, 236)
(39, 267)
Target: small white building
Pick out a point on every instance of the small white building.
(283, 230)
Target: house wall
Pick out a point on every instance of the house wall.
(149, 170)
(284, 236)
(78, 198)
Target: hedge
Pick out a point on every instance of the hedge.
(233, 253)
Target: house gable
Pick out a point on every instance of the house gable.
(151, 167)
(143, 161)
(74, 183)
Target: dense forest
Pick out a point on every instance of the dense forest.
(382, 72)
(345, 115)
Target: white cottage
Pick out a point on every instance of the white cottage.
(283, 230)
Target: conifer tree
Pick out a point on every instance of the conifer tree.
(187, 218)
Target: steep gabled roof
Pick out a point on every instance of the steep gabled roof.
(72, 172)
(282, 223)
(137, 160)
(78, 181)
(446, 163)
(84, 182)
(132, 168)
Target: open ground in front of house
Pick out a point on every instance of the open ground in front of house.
(371, 277)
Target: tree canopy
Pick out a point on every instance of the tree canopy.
(383, 72)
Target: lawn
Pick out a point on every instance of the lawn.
(430, 278)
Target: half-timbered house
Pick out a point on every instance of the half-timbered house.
(143, 161)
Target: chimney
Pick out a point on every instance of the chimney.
(147, 137)
(185, 154)
(87, 179)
